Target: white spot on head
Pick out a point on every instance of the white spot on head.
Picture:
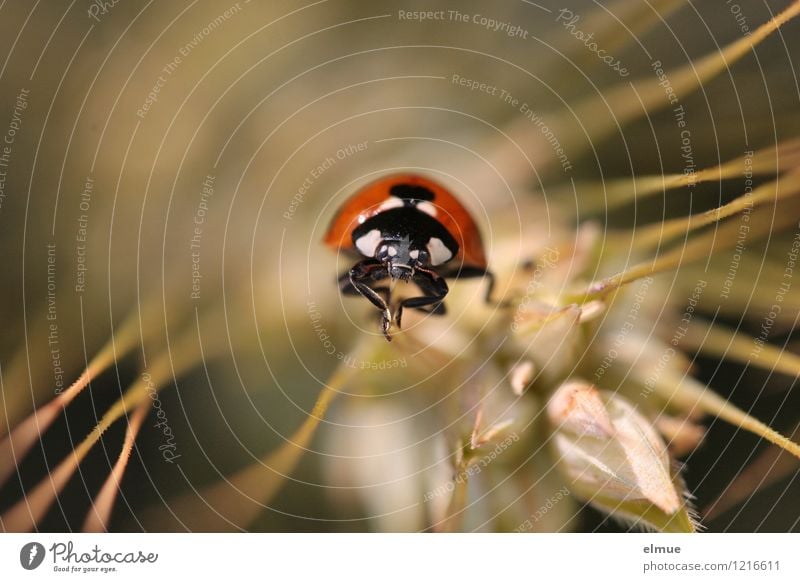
(392, 251)
(427, 208)
(368, 244)
(438, 252)
(390, 202)
(414, 254)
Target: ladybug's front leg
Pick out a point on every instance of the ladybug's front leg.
(435, 288)
(370, 270)
(347, 288)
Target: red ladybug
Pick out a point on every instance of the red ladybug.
(410, 228)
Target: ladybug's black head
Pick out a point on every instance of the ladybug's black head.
(402, 257)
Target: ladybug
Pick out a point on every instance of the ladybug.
(406, 227)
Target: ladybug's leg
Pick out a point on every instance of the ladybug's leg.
(435, 289)
(360, 276)
(347, 288)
